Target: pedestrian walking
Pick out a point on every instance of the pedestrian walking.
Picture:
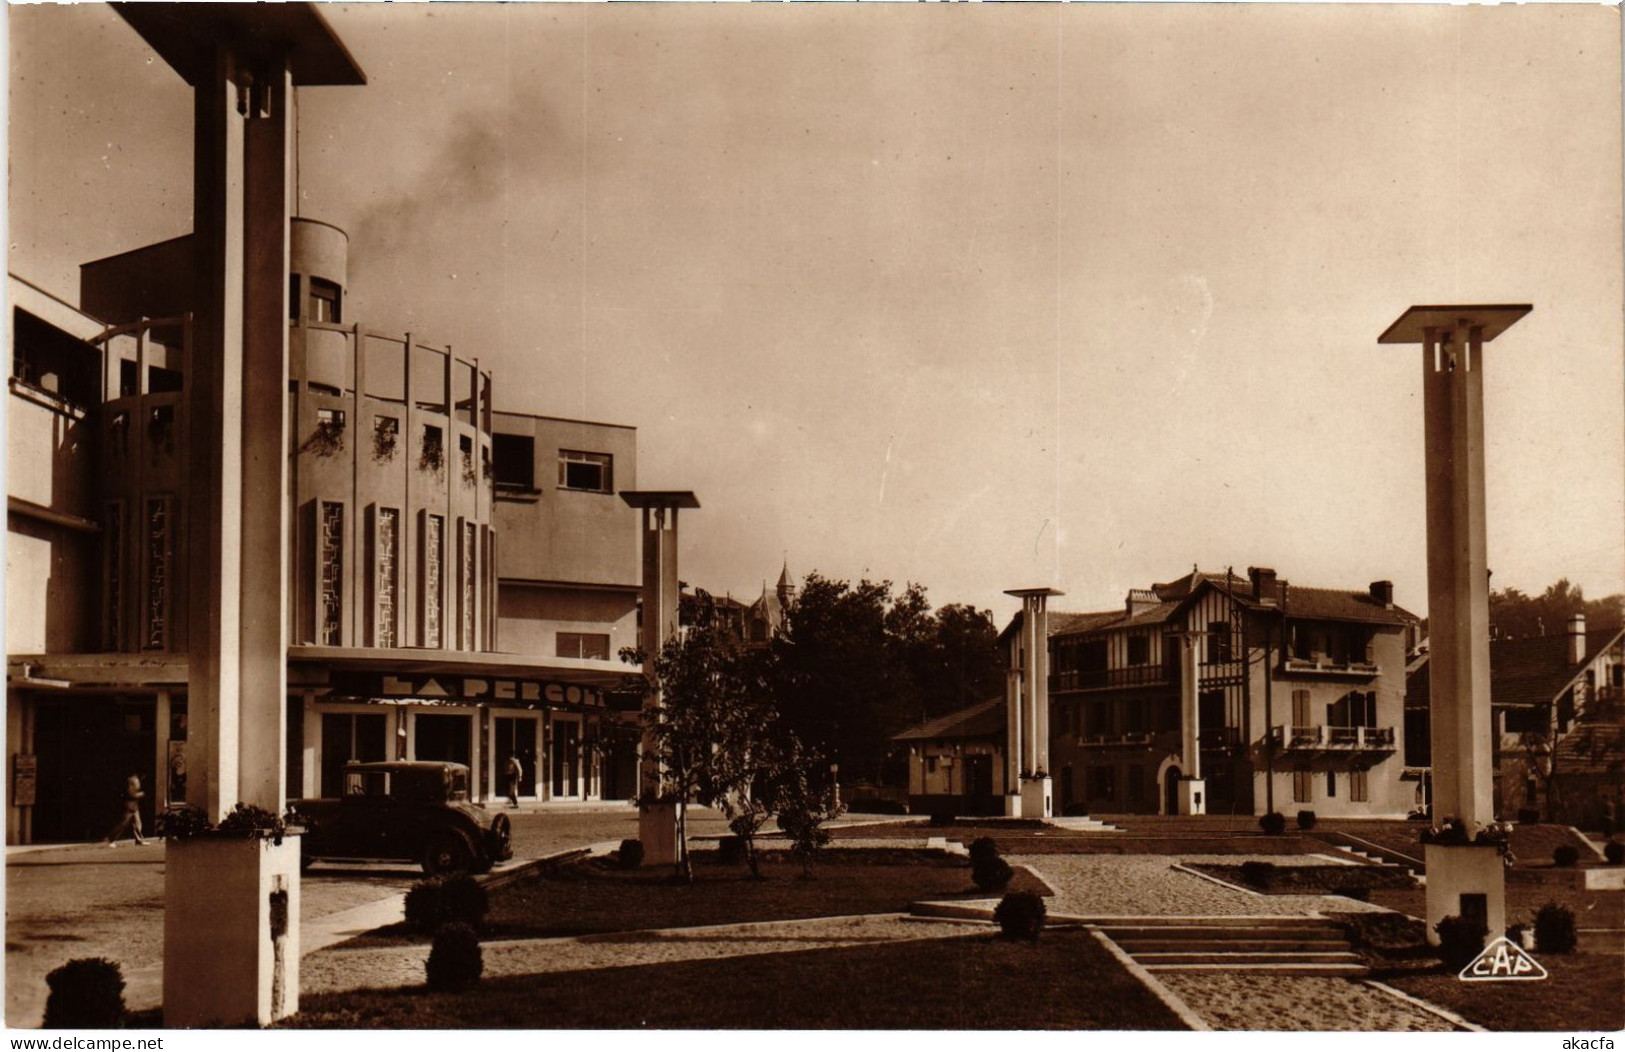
(516, 771)
(131, 819)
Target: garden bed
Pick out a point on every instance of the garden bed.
(1528, 890)
(595, 896)
(1064, 981)
(1356, 881)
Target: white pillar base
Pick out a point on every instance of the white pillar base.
(1193, 796)
(1036, 795)
(657, 828)
(1012, 805)
(222, 966)
(1455, 870)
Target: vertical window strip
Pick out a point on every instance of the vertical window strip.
(433, 529)
(113, 577)
(388, 574)
(468, 585)
(332, 574)
(158, 539)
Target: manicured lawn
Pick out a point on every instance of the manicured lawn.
(1031, 837)
(1586, 992)
(1527, 891)
(595, 896)
(1531, 844)
(1063, 981)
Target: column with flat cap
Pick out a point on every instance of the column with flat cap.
(1027, 782)
(231, 904)
(1463, 847)
(657, 812)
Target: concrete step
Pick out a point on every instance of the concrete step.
(1271, 921)
(1135, 947)
(1348, 971)
(1249, 959)
(1120, 933)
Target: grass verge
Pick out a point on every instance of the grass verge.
(1586, 991)
(595, 896)
(1064, 981)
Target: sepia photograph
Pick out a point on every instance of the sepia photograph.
(868, 517)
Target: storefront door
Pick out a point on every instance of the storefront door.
(515, 737)
(565, 757)
(347, 736)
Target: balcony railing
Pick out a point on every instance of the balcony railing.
(1110, 679)
(1108, 740)
(1334, 739)
(1324, 666)
(1219, 737)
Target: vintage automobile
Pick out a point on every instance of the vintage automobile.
(417, 811)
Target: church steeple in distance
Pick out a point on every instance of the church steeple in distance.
(786, 588)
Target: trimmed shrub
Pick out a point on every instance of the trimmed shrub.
(1306, 820)
(1614, 852)
(1460, 940)
(731, 850)
(983, 847)
(630, 854)
(1257, 873)
(1565, 855)
(943, 818)
(86, 994)
(1554, 929)
(991, 874)
(1020, 915)
(438, 901)
(455, 961)
(1273, 824)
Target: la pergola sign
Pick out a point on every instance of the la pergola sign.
(473, 689)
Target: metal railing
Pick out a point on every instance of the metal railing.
(1107, 679)
(1334, 739)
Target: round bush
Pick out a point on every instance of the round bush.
(943, 818)
(455, 961)
(991, 874)
(630, 854)
(1306, 820)
(1614, 852)
(446, 900)
(1554, 929)
(983, 847)
(86, 994)
(1020, 915)
(1565, 855)
(1273, 824)
(1460, 940)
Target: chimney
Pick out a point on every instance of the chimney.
(1140, 600)
(1383, 593)
(1263, 579)
(1577, 639)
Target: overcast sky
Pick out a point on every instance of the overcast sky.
(984, 297)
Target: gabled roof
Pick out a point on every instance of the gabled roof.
(985, 719)
(1531, 671)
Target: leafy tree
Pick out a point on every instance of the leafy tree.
(715, 732)
(858, 663)
(1516, 615)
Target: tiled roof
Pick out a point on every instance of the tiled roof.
(1531, 671)
(983, 720)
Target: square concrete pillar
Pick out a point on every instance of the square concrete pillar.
(1464, 879)
(231, 931)
(1193, 796)
(1037, 796)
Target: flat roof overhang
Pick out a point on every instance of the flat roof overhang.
(1492, 318)
(183, 34)
(587, 672)
(660, 498)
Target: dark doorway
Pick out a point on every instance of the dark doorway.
(87, 747)
(565, 753)
(440, 737)
(979, 775)
(346, 737)
(515, 737)
(1170, 793)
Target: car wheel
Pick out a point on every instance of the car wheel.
(449, 852)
